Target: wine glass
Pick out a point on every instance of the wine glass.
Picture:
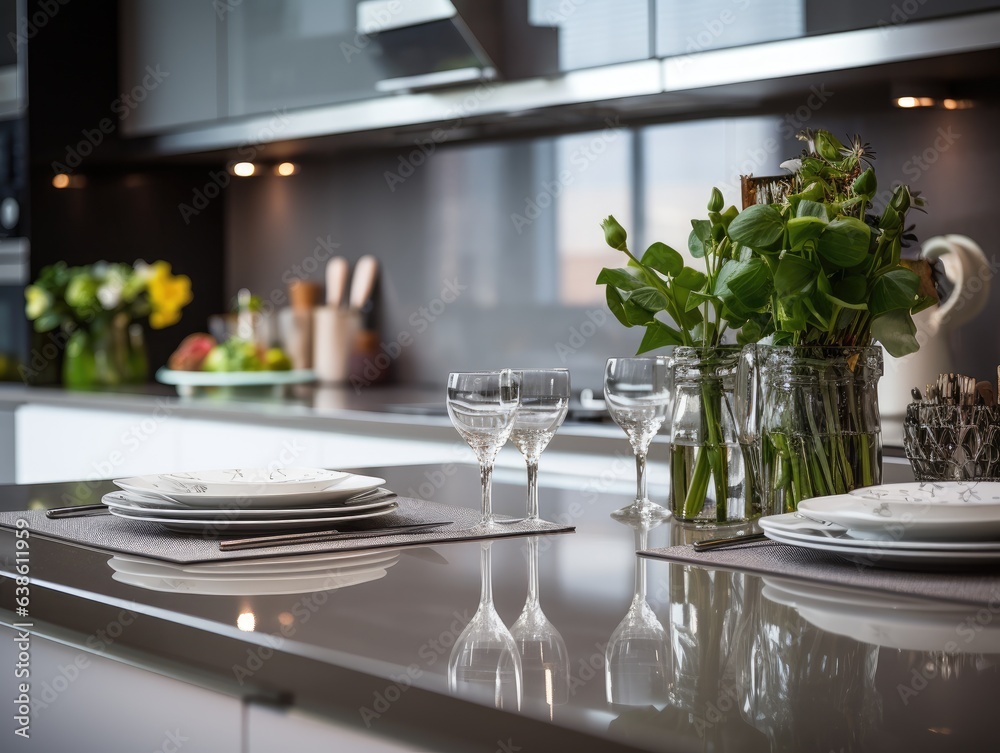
(544, 659)
(638, 658)
(482, 406)
(484, 664)
(637, 393)
(545, 397)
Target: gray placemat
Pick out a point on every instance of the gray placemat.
(771, 558)
(138, 537)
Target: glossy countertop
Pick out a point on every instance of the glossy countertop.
(707, 660)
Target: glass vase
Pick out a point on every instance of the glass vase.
(711, 483)
(810, 416)
(107, 354)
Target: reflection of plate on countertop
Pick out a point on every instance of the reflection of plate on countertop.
(887, 620)
(254, 578)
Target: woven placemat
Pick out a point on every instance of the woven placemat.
(138, 537)
(980, 587)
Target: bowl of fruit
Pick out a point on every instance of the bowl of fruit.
(202, 365)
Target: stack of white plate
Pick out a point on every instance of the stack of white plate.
(283, 575)
(250, 499)
(940, 524)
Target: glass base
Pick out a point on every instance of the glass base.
(642, 510)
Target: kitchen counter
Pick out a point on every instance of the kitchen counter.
(366, 666)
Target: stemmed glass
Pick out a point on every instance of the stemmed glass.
(482, 406)
(544, 659)
(484, 664)
(637, 660)
(545, 397)
(637, 393)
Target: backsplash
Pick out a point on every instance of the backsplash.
(489, 250)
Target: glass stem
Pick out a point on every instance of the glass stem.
(486, 574)
(532, 489)
(641, 539)
(486, 479)
(532, 600)
(640, 477)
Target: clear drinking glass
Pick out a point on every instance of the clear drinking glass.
(545, 397)
(485, 664)
(482, 406)
(637, 393)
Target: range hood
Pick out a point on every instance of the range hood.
(428, 44)
(708, 81)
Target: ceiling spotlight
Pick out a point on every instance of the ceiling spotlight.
(244, 169)
(908, 102)
(60, 180)
(286, 168)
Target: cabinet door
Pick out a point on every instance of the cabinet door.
(168, 74)
(81, 701)
(296, 53)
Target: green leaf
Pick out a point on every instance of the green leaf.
(896, 290)
(748, 282)
(794, 275)
(850, 293)
(758, 226)
(865, 184)
(636, 315)
(700, 237)
(792, 315)
(621, 278)
(663, 259)
(807, 208)
(729, 215)
(616, 304)
(750, 333)
(696, 298)
(802, 229)
(691, 279)
(659, 335)
(650, 299)
(897, 333)
(844, 242)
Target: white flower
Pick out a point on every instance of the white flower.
(110, 293)
(791, 165)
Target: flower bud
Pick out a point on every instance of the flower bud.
(716, 202)
(614, 233)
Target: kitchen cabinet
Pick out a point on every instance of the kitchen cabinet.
(82, 700)
(168, 70)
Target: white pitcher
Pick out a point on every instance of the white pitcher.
(966, 267)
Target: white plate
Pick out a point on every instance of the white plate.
(884, 619)
(223, 481)
(234, 378)
(258, 570)
(252, 586)
(876, 554)
(127, 504)
(939, 511)
(796, 526)
(250, 526)
(254, 495)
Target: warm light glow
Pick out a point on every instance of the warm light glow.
(61, 180)
(956, 104)
(244, 169)
(246, 622)
(285, 618)
(286, 168)
(908, 102)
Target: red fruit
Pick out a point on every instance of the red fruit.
(191, 352)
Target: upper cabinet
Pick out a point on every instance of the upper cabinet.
(168, 64)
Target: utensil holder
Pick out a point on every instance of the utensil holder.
(334, 332)
(953, 442)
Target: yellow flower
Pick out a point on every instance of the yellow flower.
(168, 294)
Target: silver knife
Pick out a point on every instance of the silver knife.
(312, 537)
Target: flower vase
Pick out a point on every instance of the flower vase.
(711, 483)
(109, 354)
(810, 416)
